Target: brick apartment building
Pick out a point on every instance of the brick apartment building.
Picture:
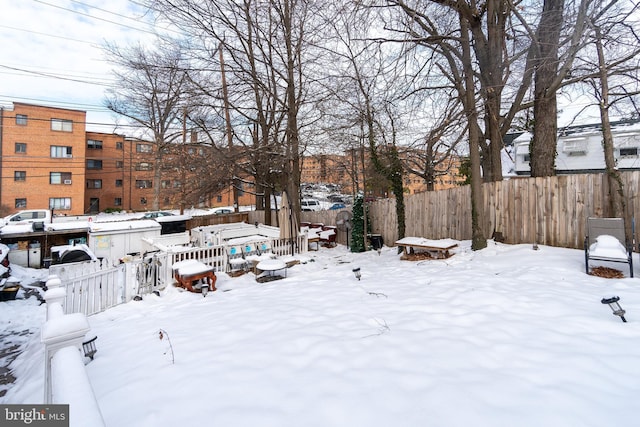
(50, 161)
(346, 170)
(43, 159)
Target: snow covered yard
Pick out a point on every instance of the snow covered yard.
(502, 336)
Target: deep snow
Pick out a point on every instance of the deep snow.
(506, 336)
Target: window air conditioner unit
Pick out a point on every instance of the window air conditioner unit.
(67, 181)
(575, 147)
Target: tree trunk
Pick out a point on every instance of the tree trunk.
(542, 148)
(293, 139)
(478, 239)
(616, 188)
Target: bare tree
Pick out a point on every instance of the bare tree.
(266, 48)
(366, 87)
(478, 236)
(435, 154)
(614, 80)
(152, 92)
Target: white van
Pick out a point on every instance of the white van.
(310, 205)
(27, 217)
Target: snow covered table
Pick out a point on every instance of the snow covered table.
(189, 272)
(266, 269)
(437, 248)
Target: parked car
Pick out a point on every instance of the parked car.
(27, 217)
(222, 211)
(152, 215)
(337, 206)
(310, 205)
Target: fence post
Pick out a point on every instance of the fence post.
(59, 332)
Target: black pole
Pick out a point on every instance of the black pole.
(290, 223)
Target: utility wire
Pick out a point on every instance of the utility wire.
(47, 75)
(97, 18)
(48, 35)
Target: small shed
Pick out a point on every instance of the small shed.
(114, 240)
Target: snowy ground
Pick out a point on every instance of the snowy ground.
(506, 336)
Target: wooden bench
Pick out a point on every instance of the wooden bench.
(189, 272)
(438, 249)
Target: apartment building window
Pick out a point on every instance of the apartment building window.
(21, 119)
(94, 144)
(94, 164)
(144, 166)
(144, 183)
(60, 203)
(165, 184)
(94, 183)
(60, 151)
(118, 183)
(60, 178)
(144, 148)
(629, 152)
(119, 145)
(117, 201)
(20, 176)
(219, 198)
(177, 184)
(21, 148)
(119, 164)
(21, 203)
(62, 125)
(143, 200)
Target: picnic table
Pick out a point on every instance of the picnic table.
(190, 272)
(438, 249)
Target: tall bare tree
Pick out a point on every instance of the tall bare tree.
(268, 46)
(152, 92)
(365, 85)
(614, 79)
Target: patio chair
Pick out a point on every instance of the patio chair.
(257, 252)
(266, 250)
(606, 241)
(236, 262)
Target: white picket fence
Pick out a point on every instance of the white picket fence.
(93, 286)
(94, 291)
(216, 256)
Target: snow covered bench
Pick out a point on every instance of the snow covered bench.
(438, 249)
(188, 272)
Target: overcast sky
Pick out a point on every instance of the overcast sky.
(51, 51)
(51, 54)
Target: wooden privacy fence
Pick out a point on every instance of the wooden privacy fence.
(550, 211)
(326, 217)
